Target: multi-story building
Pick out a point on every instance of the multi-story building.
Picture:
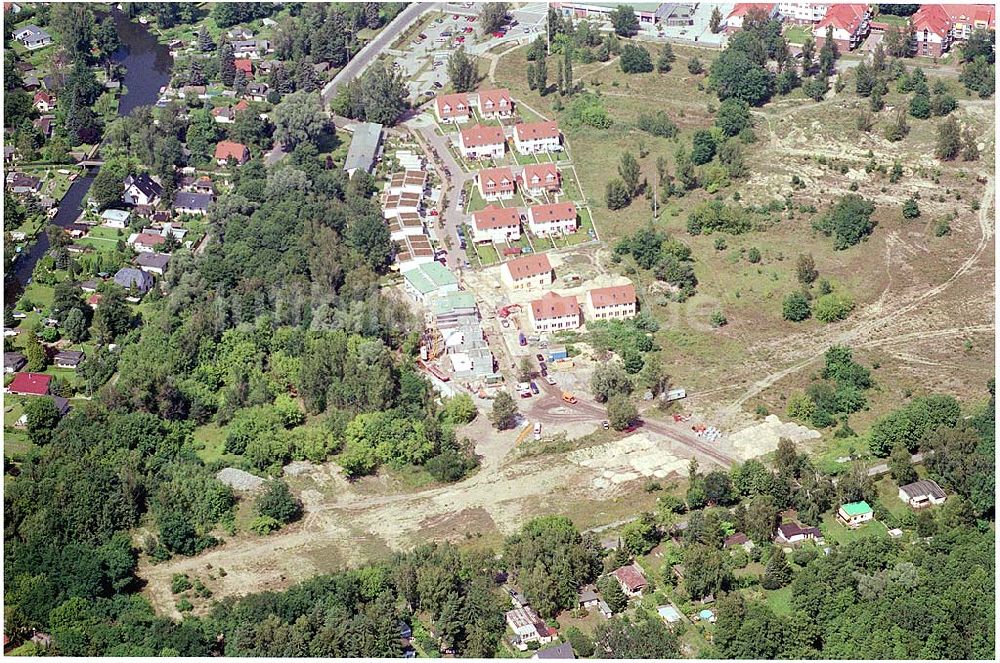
(495, 103)
(496, 224)
(496, 183)
(482, 142)
(535, 137)
(552, 219)
(553, 312)
(937, 27)
(734, 19)
(616, 302)
(850, 23)
(452, 108)
(536, 179)
(803, 12)
(530, 271)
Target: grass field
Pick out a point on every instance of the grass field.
(209, 442)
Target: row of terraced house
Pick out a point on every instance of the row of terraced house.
(936, 27)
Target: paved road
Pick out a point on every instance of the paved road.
(372, 49)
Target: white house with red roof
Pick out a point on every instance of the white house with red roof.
(482, 142)
(495, 103)
(528, 271)
(552, 219)
(617, 302)
(936, 27)
(850, 23)
(496, 224)
(734, 19)
(452, 107)
(227, 149)
(553, 312)
(539, 178)
(496, 183)
(535, 137)
(45, 101)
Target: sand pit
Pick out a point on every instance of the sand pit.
(626, 460)
(762, 438)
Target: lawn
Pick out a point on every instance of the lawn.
(39, 295)
(780, 600)
(209, 442)
(797, 34)
(834, 532)
(487, 254)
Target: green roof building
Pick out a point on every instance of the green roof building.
(855, 514)
(428, 281)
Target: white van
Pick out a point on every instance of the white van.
(538, 430)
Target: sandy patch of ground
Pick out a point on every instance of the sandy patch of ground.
(621, 461)
(762, 438)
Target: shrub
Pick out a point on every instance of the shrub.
(635, 60)
(849, 221)
(753, 255)
(278, 503)
(264, 525)
(719, 319)
(833, 307)
(910, 209)
(795, 307)
(180, 583)
(657, 124)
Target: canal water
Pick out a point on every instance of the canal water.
(148, 65)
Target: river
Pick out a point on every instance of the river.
(147, 69)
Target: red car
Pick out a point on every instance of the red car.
(460, 40)
(499, 35)
(468, 29)
(470, 19)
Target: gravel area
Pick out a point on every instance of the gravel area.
(239, 480)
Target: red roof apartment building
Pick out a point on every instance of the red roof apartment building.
(482, 142)
(552, 219)
(452, 107)
(553, 312)
(850, 23)
(496, 183)
(529, 271)
(496, 224)
(538, 178)
(616, 302)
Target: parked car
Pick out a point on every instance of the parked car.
(469, 29)
(422, 35)
(438, 85)
(534, 388)
(551, 380)
(540, 358)
(543, 370)
(605, 424)
(538, 430)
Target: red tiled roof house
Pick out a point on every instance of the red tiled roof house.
(30, 384)
(850, 23)
(452, 108)
(616, 302)
(631, 579)
(529, 271)
(538, 178)
(552, 219)
(535, 137)
(553, 311)
(482, 142)
(496, 224)
(227, 149)
(495, 103)
(496, 183)
(734, 19)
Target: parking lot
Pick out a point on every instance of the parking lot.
(423, 59)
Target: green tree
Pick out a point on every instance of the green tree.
(299, 118)
(733, 117)
(910, 208)
(227, 64)
(278, 502)
(805, 269)
(715, 20)
(463, 72)
(621, 412)
(796, 307)
(899, 465)
(42, 418)
(612, 594)
(638, 637)
(635, 60)
(734, 75)
(616, 194)
(864, 79)
(833, 307)
(920, 106)
(702, 147)
(34, 353)
(666, 59)
(777, 572)
(608, 380)
(504, 411)
(628, 170)
(695, 66)
(493, 16)
(705, 571)
(849, 221)
(949, 140)
(624, 21)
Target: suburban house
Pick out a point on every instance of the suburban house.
(192, 203)
(20, 183)
(802, 13)
(366, 139)
(240, 33)
(29, 384)
(13, 362)
(562, 650)
(427, 281)
(553, 312)
(46, 125)
(552, 219)
(796, 533)
(146, 241)
(68, 359)
(920, 494)
(482, 142)
(32, 37)
(617, 302)
(496, 224)
(250, 48)
(45, 101)
(631, 579)
(539, 178)
(257, 91)
(452, 108)
(115, 218)
(142, 190)
(246, 66)
(936, 27)
(204, 183)
(738, 539)
(529, 271)
(734, 19)
(535, 137)
(154, 263)
(224, 115)
(851, 24)
(131, 278)
(227, 149)
(495, 103)
(527, 626)
(496, 183)
(855, 514)
(413, 250)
